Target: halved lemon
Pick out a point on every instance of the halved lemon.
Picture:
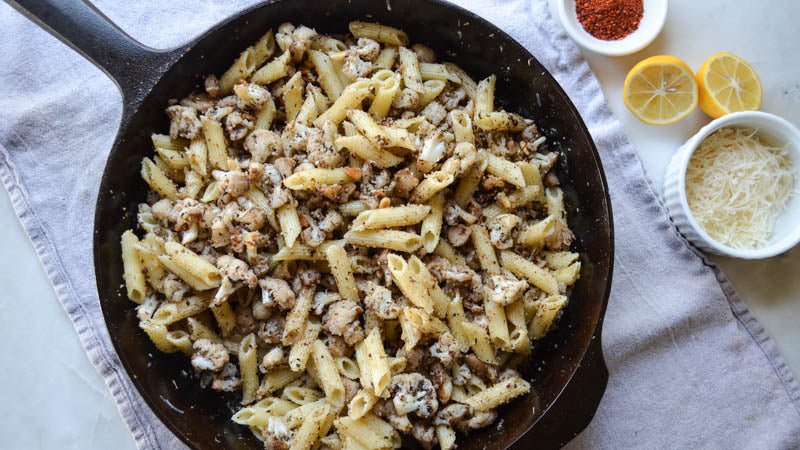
(728, 84)
(660, 90)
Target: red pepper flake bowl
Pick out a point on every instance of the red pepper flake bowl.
(614, 20)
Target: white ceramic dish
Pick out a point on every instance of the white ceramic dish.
(787, 229)
(653, 18)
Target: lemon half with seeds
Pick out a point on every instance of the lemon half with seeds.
(660, 90)
(728, 84)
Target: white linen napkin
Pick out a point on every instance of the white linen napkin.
(689, 365)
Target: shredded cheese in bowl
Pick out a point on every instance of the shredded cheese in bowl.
(737, 186)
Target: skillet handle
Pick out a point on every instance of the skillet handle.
(135, 68)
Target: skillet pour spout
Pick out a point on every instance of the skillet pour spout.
(567, 371)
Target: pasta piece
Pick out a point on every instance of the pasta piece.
(498, 325)
(377, 32)
(163, 141)
(499, 393)
(215, 143)
(293, 95)
(430, 90)
(409, 67)
(445, 250)
(392, 217)
(328, 78)
(534, 235)
(132, 268)
(226, 318)
(364, 149)
(342, 272)
(361, 404)
(171, 312)
(411, 287)
(263, 49)
(432, 224)
(191, 268)
(455, 317)
(446, 437)
(314, 178)
(430, 71)
(265, 115)
(289, 223)
(181, 341)
(485, 100)
(421, 275)
(302, 252)
(272, 71)
(400, 241)
(244, 65)
(309, 431)
(328, 375)
(157, 332)
(296, 319)
(462, 126)
(276, 379)
(301, 395)
(500, 121)
(504, 169)
(541, 278)
(248, 368)
(470, 182)
(479, 341)
(467, 83)
(547, 310)
(484, 249)
(431, 185)
(386, 58)
(347, 367)
(158, 181)
(298, 356)
(387, 90)
(351, 97)
(377, 362)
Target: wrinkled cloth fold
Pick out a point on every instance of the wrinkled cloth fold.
(689, 365)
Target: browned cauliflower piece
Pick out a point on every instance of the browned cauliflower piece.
(424, 435)
(442, 381)
(271, 331)
(506, 289)
(413, 393)
(238, 124)
(342, 320)
(208, 355)
(183, 122)
(236, 270)
(407, 99)
(262, 144)
(250, 95)
(379, 299)
(272, 359)
(234, 184)
(445, 349)
(501, 229)
(458, 235)
(253, 218)
(367, 49)
(294, 40)
(227, 380)
(424, 53)
(404, 182)
(435, 112)
(354, 67)
(211, 85)
(275, 291)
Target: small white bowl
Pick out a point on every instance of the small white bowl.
(653, 18)
(787, 228)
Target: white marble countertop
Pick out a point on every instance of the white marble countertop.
(52, 393)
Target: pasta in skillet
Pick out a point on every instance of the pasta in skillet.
(352, 235)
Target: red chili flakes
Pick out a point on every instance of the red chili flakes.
(609, 20)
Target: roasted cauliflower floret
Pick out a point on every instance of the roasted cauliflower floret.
(506, 289)
(208, 355)
(262, 144)
(236, 270)
(413, 393)
(342, 320)
(501, 229)
(183, 122)
(445, 349)
(275, 291)
(379, 299)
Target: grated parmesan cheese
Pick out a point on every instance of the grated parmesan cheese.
(737, 187)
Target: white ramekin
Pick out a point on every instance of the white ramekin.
(653, 18)
(787, 229)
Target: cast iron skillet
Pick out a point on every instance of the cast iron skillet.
(570, 358)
